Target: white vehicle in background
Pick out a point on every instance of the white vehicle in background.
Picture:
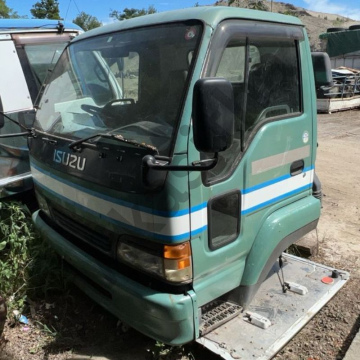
(29, 50)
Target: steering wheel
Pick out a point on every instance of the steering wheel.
(111, 103)
(91, 109)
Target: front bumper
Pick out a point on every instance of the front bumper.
(163, 316)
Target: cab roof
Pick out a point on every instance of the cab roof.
(10, 25)
(211, 15)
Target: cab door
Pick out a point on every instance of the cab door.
(270, 162)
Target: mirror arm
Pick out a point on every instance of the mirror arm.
(152, 163)
(14, 121)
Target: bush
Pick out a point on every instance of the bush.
(27, 264)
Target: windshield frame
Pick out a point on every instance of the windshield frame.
(197, 44)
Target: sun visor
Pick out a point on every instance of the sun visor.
(14, 91)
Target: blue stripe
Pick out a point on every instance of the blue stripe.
(273, 181)
(198, 231)
(195, 208)
(121, 202)
(274, 200)
(145, 233)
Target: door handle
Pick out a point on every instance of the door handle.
(297, 167)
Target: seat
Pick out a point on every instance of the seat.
(267, 95)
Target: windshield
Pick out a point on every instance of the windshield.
(130, 83)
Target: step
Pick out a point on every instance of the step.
(217, 313)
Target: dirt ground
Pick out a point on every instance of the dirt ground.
(329, 334)
(72, 327)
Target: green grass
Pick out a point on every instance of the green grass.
(28, 267)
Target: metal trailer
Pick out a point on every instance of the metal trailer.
(344, 94)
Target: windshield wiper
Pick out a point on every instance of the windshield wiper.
(77, 144)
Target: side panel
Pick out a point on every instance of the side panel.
(279, 231)
(14, 97)
(13, 88)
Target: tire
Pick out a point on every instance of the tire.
(354, 27)
(335, 29)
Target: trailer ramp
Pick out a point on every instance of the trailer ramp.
(278, 316)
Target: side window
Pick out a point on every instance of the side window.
(232, 64)
(273, 79)
(42, 58)
(273, 85)
(264, 74)
(224, 219)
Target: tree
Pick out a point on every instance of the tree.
(46, 9)
(6, 12)
(251, 4)
(86, 21)
(257, 5)
(132, 13)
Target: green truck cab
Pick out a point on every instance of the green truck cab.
(173, 160)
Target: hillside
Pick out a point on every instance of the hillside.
(315, 22)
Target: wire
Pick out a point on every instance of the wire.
(67, 11)
(77, 7)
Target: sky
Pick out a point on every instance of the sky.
(69, 9)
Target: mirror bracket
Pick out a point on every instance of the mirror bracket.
(151, 162)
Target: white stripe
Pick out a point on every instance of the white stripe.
(275, 161)
(273, 191)
(167, 226)
(198, 219)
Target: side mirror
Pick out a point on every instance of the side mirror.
(213, 115)
(322, 69)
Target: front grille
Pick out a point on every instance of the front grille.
(100, 241)
(86, 239)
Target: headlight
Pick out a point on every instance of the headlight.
(170, 262)
(140, 259)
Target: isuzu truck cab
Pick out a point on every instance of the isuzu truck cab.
(29, 50)
(173, 159)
